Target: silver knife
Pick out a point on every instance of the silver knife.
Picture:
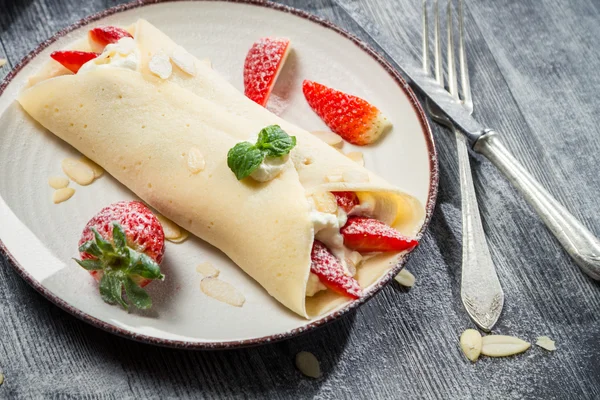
(576, 239)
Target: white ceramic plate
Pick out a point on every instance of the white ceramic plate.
(40, 238)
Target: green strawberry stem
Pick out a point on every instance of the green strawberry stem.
(119, 264)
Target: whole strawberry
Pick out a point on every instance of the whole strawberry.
(122, 247)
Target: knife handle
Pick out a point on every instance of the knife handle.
(576, 239)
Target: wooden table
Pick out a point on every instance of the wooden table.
(535, 74)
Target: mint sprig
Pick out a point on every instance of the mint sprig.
(119, 264)
(244, 158)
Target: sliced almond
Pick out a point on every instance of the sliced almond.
(334, 178)
(503, 346)
(181, 238)
(98, 170)
(1, 375)
(332, 139)
(195, 161)
(170, 228)
(63, 194)
(184, 60)
(324, 202)
(77, 171)
(160, 65)
(546, 343)
(307, 363)
(2, 62)
(357, 157)
(471, 343)
(208, 270)
(405, 278)
(355, 176)
(222, 291)
(58, 182)
(353, 260)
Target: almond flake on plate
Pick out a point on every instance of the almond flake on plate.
(98, 170)
(324, 202)
(195, 161)
(63, 194)
(58, 182)
(170, 228)
(355, 176)
(546, 343)
(357, 157)
(184, 60)
(332, 139)
(502, 346)
(181, 238)
(405, 278)
(307, 363)
(471, 343)
(160, 65)
(208, 270)
(79, 172)
(222, 291)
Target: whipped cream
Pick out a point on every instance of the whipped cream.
(269, 168)
(123, 54)
(314, 285)
(327, 230)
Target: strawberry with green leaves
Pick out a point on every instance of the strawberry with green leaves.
(122, 247)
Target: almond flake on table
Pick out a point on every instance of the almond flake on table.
(2, 61)
(405, 278)
(307, 363)
(160, 65)
(502, 346)
(471, 343)
(184, 60)
(546, 343)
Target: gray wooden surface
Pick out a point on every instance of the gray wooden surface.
(535, 75)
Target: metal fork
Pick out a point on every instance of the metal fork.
(480, 292)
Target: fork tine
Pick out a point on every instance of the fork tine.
(452, 82)
(462, 55)
(425, 39)
(439, 73)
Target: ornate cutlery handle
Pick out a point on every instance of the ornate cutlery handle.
(577, 240)
(480, 288)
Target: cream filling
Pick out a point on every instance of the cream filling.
(269, 168)
(123, 54)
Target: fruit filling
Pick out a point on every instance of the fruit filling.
(344, 232)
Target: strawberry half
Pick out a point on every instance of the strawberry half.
(122, 247)
(367, 235)
(262, 66)
(331, 273)
(351, 117)
(104, 35)
(73, 59)
(346, 200)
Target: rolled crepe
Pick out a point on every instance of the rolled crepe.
(139, 128)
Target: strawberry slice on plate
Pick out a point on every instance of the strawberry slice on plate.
(262, 66)
(351, 117)
(104, 35)
(73, 59)
(346, 200)
(122, 247)
(367, 235)
(331, 273)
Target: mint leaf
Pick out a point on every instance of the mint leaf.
(146, 267)
(243, 159)
(137, 295)
(90, 247)
(119, 239)
(275, 141)
(90, 265)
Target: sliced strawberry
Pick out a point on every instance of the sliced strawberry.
(346, 200)
(262, 66)
(331, 273)
(367, 235)
(73, 59)
(104, 35)
(122, 246)
(349, 116)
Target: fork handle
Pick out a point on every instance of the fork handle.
(576, 239)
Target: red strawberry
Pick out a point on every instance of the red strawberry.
(331, 273)
(73, 59)
(346, 200)
(367, 235)
(263, 63)
(104, 35)
(122, 246)
(349, 116)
